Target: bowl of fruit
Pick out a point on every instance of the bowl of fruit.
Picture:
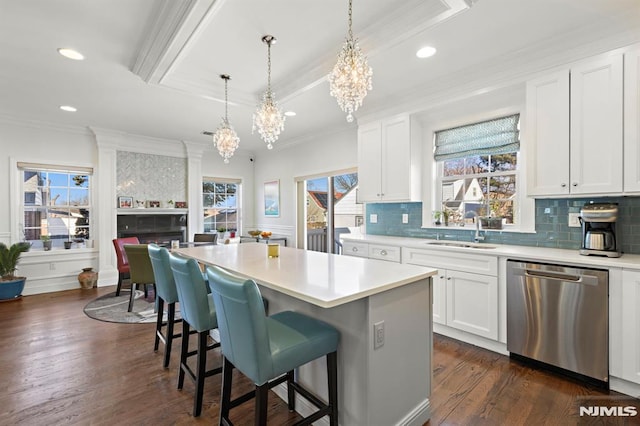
(265, 234)
(255, 233)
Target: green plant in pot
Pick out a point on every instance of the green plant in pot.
(46, 242)
(11, 286)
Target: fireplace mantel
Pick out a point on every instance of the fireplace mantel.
(137, 211)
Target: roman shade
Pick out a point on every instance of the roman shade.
(497, 136)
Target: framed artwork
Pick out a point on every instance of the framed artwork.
(272, 198)
(125, 202)
(181, 204)
(153, 204)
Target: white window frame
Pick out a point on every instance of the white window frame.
(432, 173)
(238, 198)
(16, 195)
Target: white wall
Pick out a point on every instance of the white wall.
(315, 156)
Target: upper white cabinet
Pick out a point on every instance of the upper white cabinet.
(574, 122)
(632, 121)
(388, 161)
(548, 134)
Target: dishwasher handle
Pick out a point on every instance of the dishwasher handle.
(556, 276)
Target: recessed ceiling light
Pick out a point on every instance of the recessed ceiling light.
(68, 108)
(426, 52)
(71, 54)
(290, 113)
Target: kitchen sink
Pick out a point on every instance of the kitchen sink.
(460, 244)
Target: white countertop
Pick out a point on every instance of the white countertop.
(325, 280)
(554, 255)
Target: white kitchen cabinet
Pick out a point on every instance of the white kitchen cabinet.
(464, 298)
(632, 121)
(574, 122)
(371, 251)
(624, 299)
(547, 119)
(353, 248)
(388, 161)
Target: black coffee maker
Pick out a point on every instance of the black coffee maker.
(599, 232)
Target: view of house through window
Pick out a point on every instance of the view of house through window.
(325, 213)
(56, 205)
(220, 201)
(485, 184)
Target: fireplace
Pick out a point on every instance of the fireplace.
(153, 228)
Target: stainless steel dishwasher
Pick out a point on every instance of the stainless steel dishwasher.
(559, 315)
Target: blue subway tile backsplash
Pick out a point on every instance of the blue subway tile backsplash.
(552, 228)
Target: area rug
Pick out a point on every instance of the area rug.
(110, 308)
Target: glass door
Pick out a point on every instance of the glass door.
(330, 208)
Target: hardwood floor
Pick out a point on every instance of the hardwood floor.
(59, 367)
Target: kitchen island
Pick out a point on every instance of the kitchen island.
(386, 385)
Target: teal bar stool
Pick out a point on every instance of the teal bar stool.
(140, 269)
(198, 311)
(267, 349)
(166, 292)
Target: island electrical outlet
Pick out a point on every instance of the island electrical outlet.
(378, 335)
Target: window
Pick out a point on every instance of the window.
(56, 202)
(220, 201)
(478, 170)
(485, 184)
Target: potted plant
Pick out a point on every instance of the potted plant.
(11, 286)
(170, 204)
(436, 217)
(46, 242)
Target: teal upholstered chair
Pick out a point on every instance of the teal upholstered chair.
(166, 292)
(267, 349)
(198, 311)
(140, 269)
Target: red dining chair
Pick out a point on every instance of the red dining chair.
(123, 262)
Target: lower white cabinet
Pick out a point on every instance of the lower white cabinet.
(371, 251)
(624, 325)
(462, 298)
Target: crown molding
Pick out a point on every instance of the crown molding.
(123, 141)
(175, 25)
(43, 125)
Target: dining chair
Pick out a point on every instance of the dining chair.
(121, 257)
(140, 269)
(205, 238)
(166, 292)
(267, 349)
(198, 311)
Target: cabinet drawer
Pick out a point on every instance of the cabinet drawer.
(351, 248)
(447, 259)
(382, 252)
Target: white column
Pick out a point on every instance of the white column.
(195, 152)
(106, 214)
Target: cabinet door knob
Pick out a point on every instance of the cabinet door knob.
(354, 249)
(564, 185)
(442, 277)
(575, 183)
(383, 252)
(448, 278)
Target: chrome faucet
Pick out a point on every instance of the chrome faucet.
(477, 238)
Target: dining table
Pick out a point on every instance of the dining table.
(381, 309)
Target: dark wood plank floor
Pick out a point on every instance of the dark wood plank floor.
(59, 367)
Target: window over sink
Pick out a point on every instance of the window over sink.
(478, 171)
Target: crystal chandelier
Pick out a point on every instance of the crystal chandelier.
(268, 119)
(350, 79)
(225, 139)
